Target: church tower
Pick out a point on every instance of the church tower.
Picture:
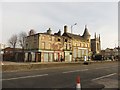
(96, 44)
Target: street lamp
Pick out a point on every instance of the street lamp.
(72, 26)
(72, 40)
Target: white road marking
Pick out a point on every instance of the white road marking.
(75, 71)
(104, 76)
(105, 67)
(25, 77)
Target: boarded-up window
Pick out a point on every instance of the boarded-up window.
(49, 46)
(80, 44)
(43, 45)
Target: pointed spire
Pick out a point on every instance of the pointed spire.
(59, 32)
(86, 26)
(99, 37)
(95, 35)
(86, 33)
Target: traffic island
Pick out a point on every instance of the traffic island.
(92, 86)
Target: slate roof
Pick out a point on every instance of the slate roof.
(70, 35)
(86, 33)
(78, 37)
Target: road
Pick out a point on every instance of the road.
(91, 76)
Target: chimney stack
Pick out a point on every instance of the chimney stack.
(49, 31)
(65, 29)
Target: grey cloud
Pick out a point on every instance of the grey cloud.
(23, 16)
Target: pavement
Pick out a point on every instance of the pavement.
(25, 63)
(19, 66)
(97, 76)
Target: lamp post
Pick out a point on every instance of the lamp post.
(72, 40)
(72, 26)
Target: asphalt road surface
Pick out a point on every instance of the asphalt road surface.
(102, 75)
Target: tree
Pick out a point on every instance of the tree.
(22, 36)
(13, 40)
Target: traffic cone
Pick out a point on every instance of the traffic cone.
(78, 85)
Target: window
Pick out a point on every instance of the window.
(50, 38)
(66, 46)
(76, 44)
(87, 40)
(58, 39)
(26, 46)
(97, 46)
(65, 40)
(87, 45)
(80, 44)
(84, 45)
(49, 46)
(43, 45)
(70, 46)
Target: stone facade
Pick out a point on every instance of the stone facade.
(80, 45)
(44, 47)
(96, 45)
(48, 47)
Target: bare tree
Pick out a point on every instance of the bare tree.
(22, 36)
(13, 40)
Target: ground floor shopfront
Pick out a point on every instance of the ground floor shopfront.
(44, 56)
(77, 54)
(68, 56)
(80, 54)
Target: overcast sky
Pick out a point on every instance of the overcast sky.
(100, 17)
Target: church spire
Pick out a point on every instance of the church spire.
(99, 37)
(95, 35)
(86, 26)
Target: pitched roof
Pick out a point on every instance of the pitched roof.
(70, 35)
(86, 33)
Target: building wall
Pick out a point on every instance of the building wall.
(110, 53)
(56, 47)
(53, 46)
(81, 49)
(67, 48)
(47, 47)
(50, 42)
(32, 42)
(95, 46)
